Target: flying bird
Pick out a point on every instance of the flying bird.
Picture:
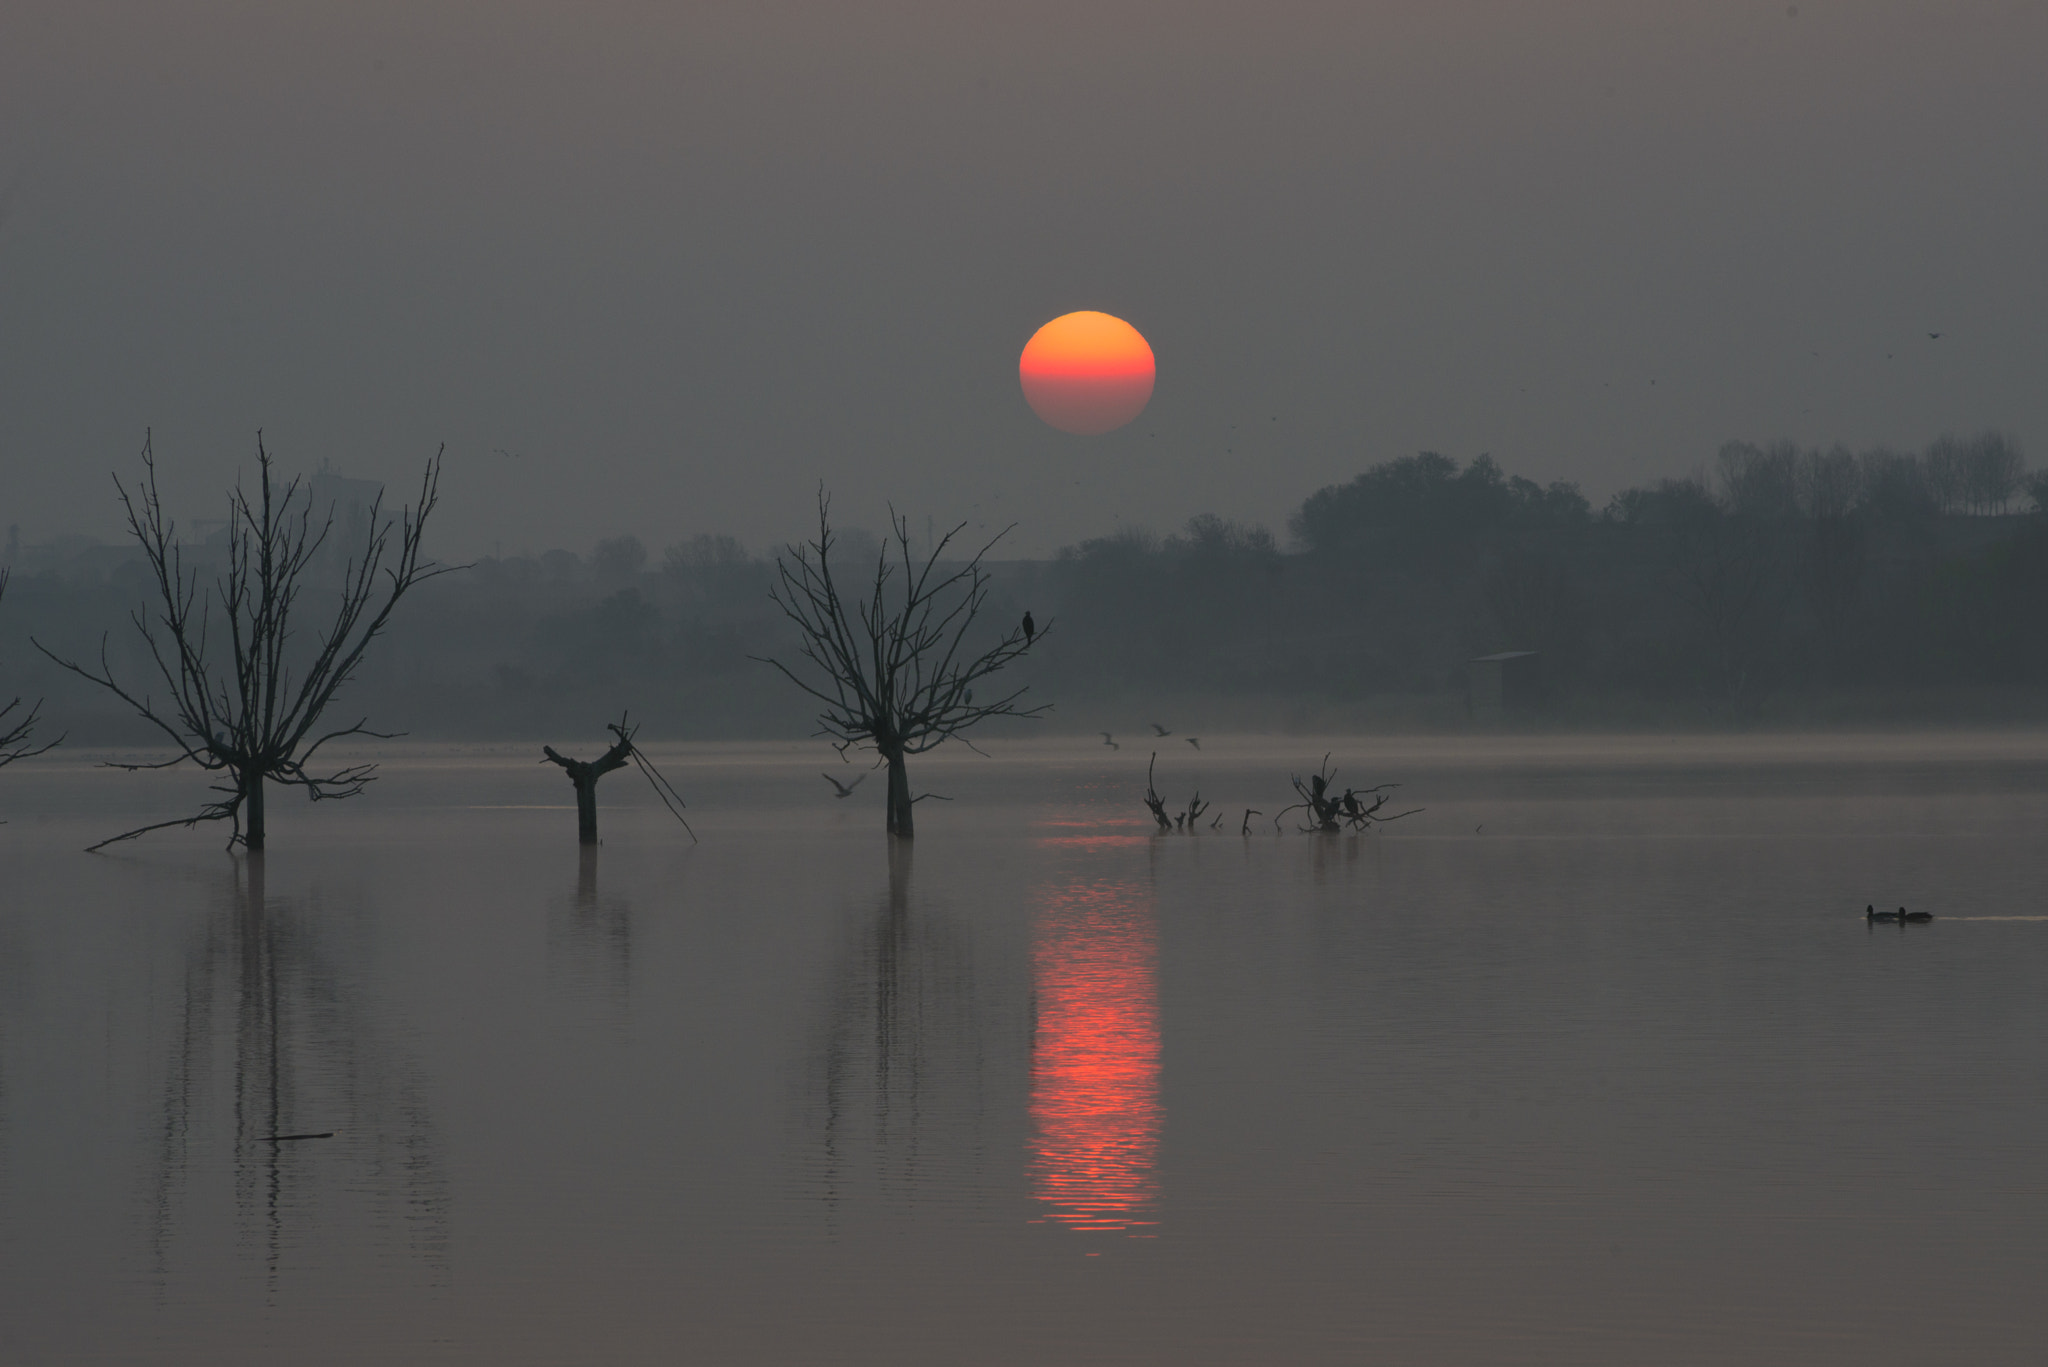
(1107, 741)
(1030, 628)
(1933, 336)
(1195, 741)
(843, 789)
(1160, 729)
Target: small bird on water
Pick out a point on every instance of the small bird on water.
(1902, 916)
(1030, 628)
(843, 789)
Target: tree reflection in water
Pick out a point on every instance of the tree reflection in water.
(590, 947)
(1095, 1055)
(905, 1056)
(273, 1038)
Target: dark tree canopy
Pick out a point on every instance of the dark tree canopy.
(1425, 498)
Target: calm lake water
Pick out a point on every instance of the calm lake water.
(1594, 1061)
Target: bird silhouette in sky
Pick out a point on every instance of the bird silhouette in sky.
(1160, 729)
(1195, 741)
(1933, 336)
(1107, 741)
(1030, 628)
(843, 789)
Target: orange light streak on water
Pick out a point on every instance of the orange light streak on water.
(1095, 1057)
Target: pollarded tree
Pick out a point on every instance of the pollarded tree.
(246, 677)
(894, 666)
(584, 774)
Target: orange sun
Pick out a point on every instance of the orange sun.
(1086, 373)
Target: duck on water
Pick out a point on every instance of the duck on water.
(1902, 916)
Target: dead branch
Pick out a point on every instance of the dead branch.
(1153, 800)
(663, 789)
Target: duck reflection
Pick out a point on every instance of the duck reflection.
(263, 1000)
(1095, 1055)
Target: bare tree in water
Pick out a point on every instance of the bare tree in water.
(242, 697)
(893, 666)
(16, 733)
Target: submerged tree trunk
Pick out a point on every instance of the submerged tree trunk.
(584, 774)
(900, 823)
(252, 811)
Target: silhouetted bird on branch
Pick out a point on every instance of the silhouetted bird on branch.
(843, 789)
(1030, 628)
(1107, 741)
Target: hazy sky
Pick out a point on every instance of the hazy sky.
(686, 259)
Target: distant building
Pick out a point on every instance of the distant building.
(350, 502)
(330, 490)
(1502, 684)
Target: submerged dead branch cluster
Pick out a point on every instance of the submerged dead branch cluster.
(1183, 820)
(1328, 810)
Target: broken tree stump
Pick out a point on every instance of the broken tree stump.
(585, 774)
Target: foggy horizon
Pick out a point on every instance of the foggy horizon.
(681, 267)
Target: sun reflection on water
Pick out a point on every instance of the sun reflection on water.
(1095, 1056)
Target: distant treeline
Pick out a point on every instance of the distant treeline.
(1778, 574)
(1779, 582)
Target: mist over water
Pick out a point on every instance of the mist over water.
(1594, 1060)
